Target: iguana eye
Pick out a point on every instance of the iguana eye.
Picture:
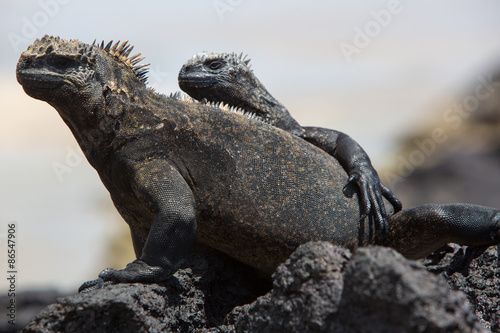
(62, 62)
(214, 64)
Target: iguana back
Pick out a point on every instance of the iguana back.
(261, 192)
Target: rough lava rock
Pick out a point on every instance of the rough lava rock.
(306, 290)
(477, 273)
(384, 292)
(320, 288)
(196, 299)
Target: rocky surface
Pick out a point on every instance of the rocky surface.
(195, 299)
(376, 290)
(476, 272)
(307, 290)
(393, 294)
(321, 288)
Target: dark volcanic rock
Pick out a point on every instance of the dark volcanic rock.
(193, 300)
(384, 292)
(306, 290)
(476, 273)
(320, 288)
(377, 290)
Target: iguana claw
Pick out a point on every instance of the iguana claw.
(136, 271)
(94, 285)
(371, 193)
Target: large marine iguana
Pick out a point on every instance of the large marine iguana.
(227, 78)
(179, 171)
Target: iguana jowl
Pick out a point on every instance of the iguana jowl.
(179, 171)
(227, 78)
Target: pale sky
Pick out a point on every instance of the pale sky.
(427, 49)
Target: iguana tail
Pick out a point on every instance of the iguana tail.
(419, 231)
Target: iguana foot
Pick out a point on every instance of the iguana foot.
(136, 271)
(371, 194)
(93, 285)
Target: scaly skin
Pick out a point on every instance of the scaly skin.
(180, 171)
(227, 78)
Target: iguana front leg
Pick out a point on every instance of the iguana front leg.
(162, 189)
(358, 166)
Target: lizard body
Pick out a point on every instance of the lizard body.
(179, 171)
(227, 78)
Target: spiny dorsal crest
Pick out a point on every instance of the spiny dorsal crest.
(181, 96)
(226, 107)
(232, 58)
(122, 52)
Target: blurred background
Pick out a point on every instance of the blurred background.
(414, 82)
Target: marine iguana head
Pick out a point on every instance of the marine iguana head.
(62, 71)
(217, 76)
(227, 78)
(84, 83)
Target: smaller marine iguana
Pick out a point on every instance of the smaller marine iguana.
(227, 78)
(180, 172)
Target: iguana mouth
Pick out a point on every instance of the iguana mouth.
(36, 79)
(196, 82)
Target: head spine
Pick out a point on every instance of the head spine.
(233, 58)
(122, 52)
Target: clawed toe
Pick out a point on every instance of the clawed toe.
(91, 285)
(94, 285)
